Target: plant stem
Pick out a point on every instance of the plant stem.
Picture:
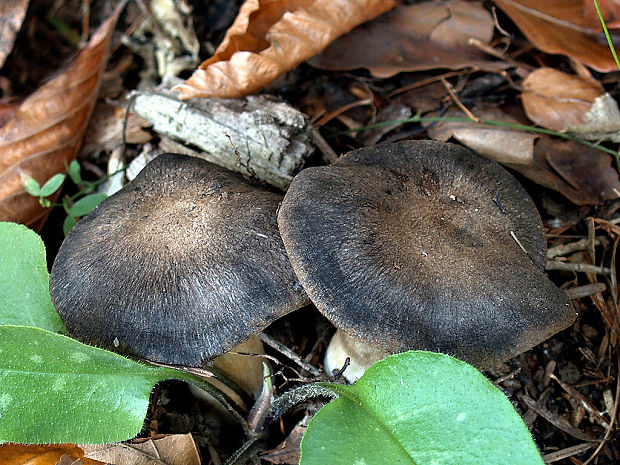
(611, 45)
(490, 122)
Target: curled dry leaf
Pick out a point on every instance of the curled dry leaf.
(563, 102)
(46, 131)
(12, 14)
(271, 37)
(557, 26)
(50, 454)
(582, 174)
(174, 449)
(426, 35)
(504, 145)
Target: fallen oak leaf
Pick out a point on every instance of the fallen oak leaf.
(556, 26)
(567, 103)
(49, 454)
(502, 144)
(172, 449)
(47, 128)
(422, 36)
(581, 173)
(271, 37)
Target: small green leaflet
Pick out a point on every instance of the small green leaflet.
(24, 280)
(419, 408)
(52, 185)
(56, 389)
(31, 185)
(86, 204)
(75, 172)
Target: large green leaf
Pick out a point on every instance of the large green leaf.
(24, 280)
(419, 408)
(56, 389)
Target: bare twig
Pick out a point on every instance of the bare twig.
(578, 267)
(585, 291)
(289, 354)
(565, 249)
(568, 452)
(458, 102)
(556, 420)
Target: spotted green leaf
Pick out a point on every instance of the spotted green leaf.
(419, 408)
(24, 280)
(56, 389)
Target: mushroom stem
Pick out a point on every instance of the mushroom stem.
(361, 356)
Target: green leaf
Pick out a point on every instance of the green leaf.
(86, 204)
(31, 185)
(419, 408)
(24, 280)
(55, 389)
(68, 224)
(75, 172)
(52, 185)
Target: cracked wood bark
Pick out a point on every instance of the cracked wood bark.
(273, 139)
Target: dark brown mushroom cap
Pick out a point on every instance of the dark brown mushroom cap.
(424, 245)
(178, 267)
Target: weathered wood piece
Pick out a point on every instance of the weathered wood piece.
(256, 135)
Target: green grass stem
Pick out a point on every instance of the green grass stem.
(611, 45)
(490, 122)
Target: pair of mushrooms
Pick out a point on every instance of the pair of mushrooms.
(414, 245)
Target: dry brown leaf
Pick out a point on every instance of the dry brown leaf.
(12, 14)
(582, 174)
(504, 145)
(271, 37)
(106, 127)
(563, 102)
(610, 10)
(556, 100)
(558, 26)
(50, 454)
(7, 112)
(426, 35)
(46, 131)
(174, 449)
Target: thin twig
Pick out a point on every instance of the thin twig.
(458, 102)
(567, 452)
(516, 239)
(289, 354)
(556, 420)
(423, 82)
(328, 153)
(578, 267)
(565, 249)
(611, 423)
(585, 290)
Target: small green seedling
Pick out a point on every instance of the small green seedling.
(76, 206)
(418, 407)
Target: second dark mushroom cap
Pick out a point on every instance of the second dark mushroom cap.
(424, 245)
(181, 265)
